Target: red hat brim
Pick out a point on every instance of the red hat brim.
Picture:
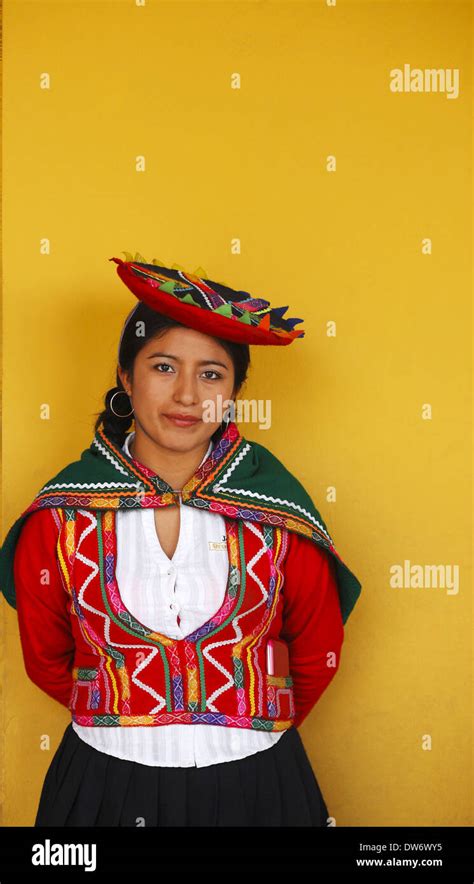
(206, 321)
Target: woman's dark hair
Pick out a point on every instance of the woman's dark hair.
(116, 428)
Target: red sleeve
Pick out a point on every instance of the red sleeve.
(312, 621)
(45, 628)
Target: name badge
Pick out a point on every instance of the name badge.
(217, 544)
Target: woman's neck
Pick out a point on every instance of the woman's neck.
(174, 467)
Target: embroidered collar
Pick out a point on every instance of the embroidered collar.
(144, 469)
(143, 487)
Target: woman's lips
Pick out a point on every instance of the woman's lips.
(182, 422)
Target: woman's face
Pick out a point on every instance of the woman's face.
(176, 372)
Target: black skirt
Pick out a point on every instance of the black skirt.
(272, 787)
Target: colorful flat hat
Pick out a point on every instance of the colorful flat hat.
(210, 307)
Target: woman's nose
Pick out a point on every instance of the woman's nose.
(185, 389)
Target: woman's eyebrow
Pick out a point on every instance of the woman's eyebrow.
(177, 358)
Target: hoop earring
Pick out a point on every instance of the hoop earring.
(117, 393)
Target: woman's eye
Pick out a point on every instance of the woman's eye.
(163, 365)
(211, 371)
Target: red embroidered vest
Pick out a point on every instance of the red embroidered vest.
(127, 674)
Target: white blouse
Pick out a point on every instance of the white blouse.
(174, 596)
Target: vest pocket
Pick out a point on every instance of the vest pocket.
(280, 699)
(86, 679)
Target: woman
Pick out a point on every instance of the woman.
(176, 588)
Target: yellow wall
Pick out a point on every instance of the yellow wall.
(344, 246)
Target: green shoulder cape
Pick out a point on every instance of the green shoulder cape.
(240, 479)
